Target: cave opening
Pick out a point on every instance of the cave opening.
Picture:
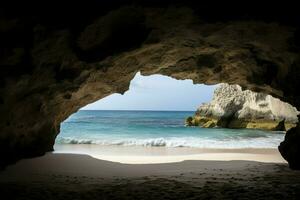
(157, 121)
(56, 61)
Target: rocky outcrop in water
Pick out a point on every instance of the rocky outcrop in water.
(232, 107)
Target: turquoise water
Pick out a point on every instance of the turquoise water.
(156, 128)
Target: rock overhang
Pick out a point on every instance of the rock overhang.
(54, 64)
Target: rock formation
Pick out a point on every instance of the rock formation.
(55, 58)
(232, 107)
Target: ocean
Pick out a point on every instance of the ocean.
(156, 129)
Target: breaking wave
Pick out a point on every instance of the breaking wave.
(260, 142)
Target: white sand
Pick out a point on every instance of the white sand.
(147, 155)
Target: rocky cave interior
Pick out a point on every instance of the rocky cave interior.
(52, 65)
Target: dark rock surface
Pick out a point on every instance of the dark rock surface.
(290, 147)
(57, 57)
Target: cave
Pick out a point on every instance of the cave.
(56, 57)
(54, 65)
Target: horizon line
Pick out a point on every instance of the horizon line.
(135, 110)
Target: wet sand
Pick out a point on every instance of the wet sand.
(75, 176)
(147, 155)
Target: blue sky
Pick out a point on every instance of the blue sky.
(156, 92)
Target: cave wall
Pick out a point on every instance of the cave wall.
(51, 67)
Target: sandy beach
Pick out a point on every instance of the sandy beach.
(75, 176)
(150, 155)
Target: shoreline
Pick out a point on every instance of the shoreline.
(151, 155)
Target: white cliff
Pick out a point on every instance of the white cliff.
(233, 107)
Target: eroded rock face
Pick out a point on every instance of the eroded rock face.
(52, 66)
(232, 107)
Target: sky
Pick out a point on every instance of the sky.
(156, 92)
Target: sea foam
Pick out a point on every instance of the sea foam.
(262, 142)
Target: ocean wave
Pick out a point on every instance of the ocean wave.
(74, 141)
(194, 142)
